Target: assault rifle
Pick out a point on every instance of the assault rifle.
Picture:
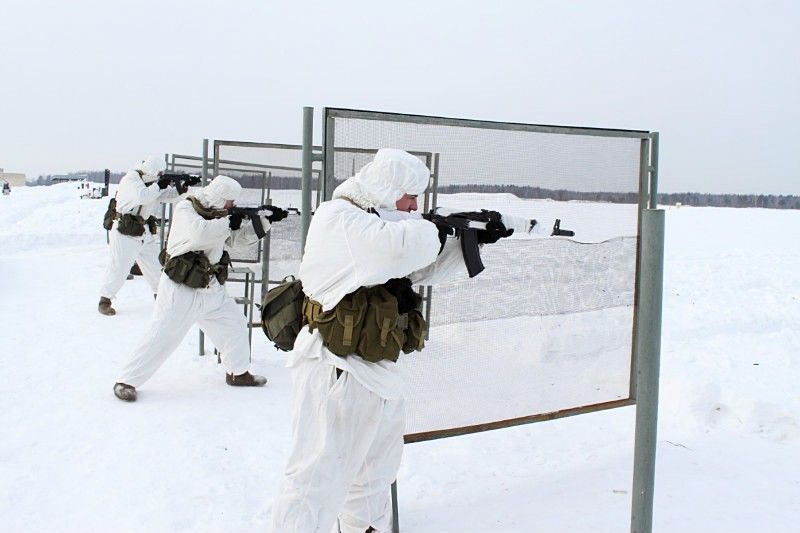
(180, 180)
(273, 214)
(466, 227)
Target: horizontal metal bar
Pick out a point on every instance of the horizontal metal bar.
(353, 150)
(251, 170)
(252, 166)
(466, 430)
(249, 144)
(484, 124)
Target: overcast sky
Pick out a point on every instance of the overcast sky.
(95, 84)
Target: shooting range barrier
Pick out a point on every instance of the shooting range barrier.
(554, 326)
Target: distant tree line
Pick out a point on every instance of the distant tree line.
(770, 201)
(248, 180)
(91, 175)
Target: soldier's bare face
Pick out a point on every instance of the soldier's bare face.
(407, 203)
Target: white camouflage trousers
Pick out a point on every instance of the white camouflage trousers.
(346, 447)
(177, 308)
(124, 250)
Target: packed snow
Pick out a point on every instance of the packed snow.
(196, 455)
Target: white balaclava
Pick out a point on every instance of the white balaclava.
(150, 167)
(220, 190)
(385, 180)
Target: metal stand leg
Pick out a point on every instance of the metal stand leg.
(648, 360)
(395, 510)
(249, 283)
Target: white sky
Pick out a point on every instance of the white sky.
(93, 84)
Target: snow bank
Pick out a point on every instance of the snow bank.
(196, 455)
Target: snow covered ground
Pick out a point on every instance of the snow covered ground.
(196, 455)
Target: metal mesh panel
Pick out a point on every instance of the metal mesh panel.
(546, 330)
(281, 168)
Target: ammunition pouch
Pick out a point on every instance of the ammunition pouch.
(194, 270)
(220, 270)
(367, 323)
(416, 332)
(110, 214)
(130, 224)
(282, 313)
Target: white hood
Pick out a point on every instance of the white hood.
(150, 167)
(220, 190)
(385, 180)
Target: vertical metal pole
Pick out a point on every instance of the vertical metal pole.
(328, 152)
(162, 226)
(204, 175)
(434, 203)
(216, 158)
(204, 171)
(644, 187)
(169, 206)
(648, 353)
(395, 510)
(107, 182)
(250, 281)
(322, 176)
(161, 236)
(265, 243)
(653, 170)
(265, 265)
(308, 158)
(107, 192)
(435, 176)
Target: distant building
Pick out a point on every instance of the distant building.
(15, 179)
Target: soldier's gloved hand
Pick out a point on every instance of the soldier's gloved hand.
(444, 227)
(193, 180)
(235, 221)
(277, 214)
(163, 183)
(495, 230)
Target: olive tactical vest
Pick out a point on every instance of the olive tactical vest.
(193, 269)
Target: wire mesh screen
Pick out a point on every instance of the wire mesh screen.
(546, 330)
(280, 184)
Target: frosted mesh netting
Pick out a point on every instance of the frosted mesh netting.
(275, 177)
(548, 325)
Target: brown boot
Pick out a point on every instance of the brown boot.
(105, 307)
(245, 380)
(124, 392)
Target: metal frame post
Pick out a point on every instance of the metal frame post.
(204, 172)
(653, 168)
(201, 345)
(308, 159)
(395, 509)
(107, 182)
(648, 351)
